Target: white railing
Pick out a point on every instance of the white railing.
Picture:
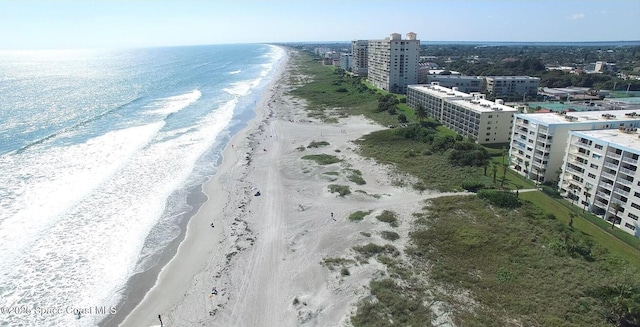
(630, 160)
(627, 171)
(610, 165)
(624, 181)
(613, 155)
(621, 191)
(609, 176)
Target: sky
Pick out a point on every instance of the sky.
(27, 24)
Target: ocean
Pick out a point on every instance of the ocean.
(100, 151)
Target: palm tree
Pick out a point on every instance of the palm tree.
(616, 207)
(571, 216)
(421, 112)
(587, 189)
(526, 169)
(573, 189)
(494, 169)
(504, 153)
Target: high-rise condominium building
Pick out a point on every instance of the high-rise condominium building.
(359, 60)
(539, 141)
(469, 115)
(393, 62)
(600, 173)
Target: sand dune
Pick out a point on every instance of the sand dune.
(264, 255)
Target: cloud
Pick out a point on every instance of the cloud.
(576, 16)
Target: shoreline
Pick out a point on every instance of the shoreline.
(267, 261)
(175, 255)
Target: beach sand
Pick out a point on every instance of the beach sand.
(264, 255)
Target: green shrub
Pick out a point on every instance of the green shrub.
(550, 191)
(322, 159)
(389, 235)
(472, 185)
(502, 199)
(342, 90)
(388, 216)
(340, 189)
(358, 215)
(356, 177)
(344, 271)
(315, 144)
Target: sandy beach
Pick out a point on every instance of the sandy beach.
(263, 258)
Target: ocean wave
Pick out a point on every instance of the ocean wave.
(171, 105)
(75, 126)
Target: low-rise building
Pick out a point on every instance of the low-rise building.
(467, 84)
(600, 173)
(539, 140)
(469, 115)
(512, 86)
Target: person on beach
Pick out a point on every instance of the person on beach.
(160, 318)
(212, 225)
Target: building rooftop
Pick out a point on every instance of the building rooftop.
(629, 139)
(482, 105)
(582, 116)
(512, 77)
(440, 91)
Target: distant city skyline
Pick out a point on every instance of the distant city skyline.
(38, 24)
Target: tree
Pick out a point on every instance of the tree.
(587, 189)
(421, 112)
(504, 153)
(494, 170)
(616, 207)
(526, 169)
(573, 189)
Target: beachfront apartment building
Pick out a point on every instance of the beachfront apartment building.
(512, 86)
(469, 115)
(600, 173)
(393, 62)
(467, 84)
(360, 58)
(539, 141)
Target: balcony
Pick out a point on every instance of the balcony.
(609, 176)
(624, 181)
(606, 185)
(627, 171)
(613, 155)
(621, 191)
(600, 204)
(573, 170)
(630, 160)
(610, 165)
(603, 195)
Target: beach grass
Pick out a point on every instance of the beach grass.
(389, 217)
(322, 159)
(342, 190)
(358, 215)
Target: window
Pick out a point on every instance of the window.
(590, 175)
(593, 166)
(631, 227)
(634, 205)
(596, 156)
(632, 216)
(598, 146)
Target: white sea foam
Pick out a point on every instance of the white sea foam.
(235, 72)
(166, 106)
(83, 251)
